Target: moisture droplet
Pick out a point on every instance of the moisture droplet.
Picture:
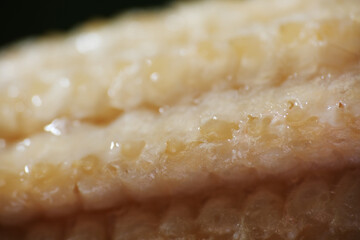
(114, 145)
(36, 100)
(217, 130)
(56, 127)
(154, 77)
(132, 149)
(22, 145)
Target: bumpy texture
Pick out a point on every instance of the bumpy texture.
(317, 206)
(168, 107)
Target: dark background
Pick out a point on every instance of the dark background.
(26, 18)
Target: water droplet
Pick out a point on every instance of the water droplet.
(114, 145)
(22, 145)
(132, 150)
(217, 130)
(56, 127)
(26, 169)
(148, 62)
(36, 100)
(154, 77)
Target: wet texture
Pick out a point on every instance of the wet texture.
(318, 205)
(244, 124)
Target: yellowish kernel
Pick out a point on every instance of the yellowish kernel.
(89, 164)
(329, 28)
(249, 47)
(43, 171)
(217, 130)
(290, 31)
(132, 149)
(295, 115)
(174, 146)
(331, 43)
(112, 168)
(257, 126)
(53, 189)
(207, 50)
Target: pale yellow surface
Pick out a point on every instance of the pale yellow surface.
(173, 102)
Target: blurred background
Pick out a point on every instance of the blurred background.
(26, 18)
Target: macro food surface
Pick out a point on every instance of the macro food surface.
(206, 120)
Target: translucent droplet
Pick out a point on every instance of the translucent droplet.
(217, 130)
(154, 77)
(36, 101)
(132, 149)
(26, 169)
(114, 145)
(56, 127)
(22, 145)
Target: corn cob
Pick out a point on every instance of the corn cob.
(209, 120)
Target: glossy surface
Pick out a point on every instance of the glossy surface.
(318, 205)
(188, 100)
